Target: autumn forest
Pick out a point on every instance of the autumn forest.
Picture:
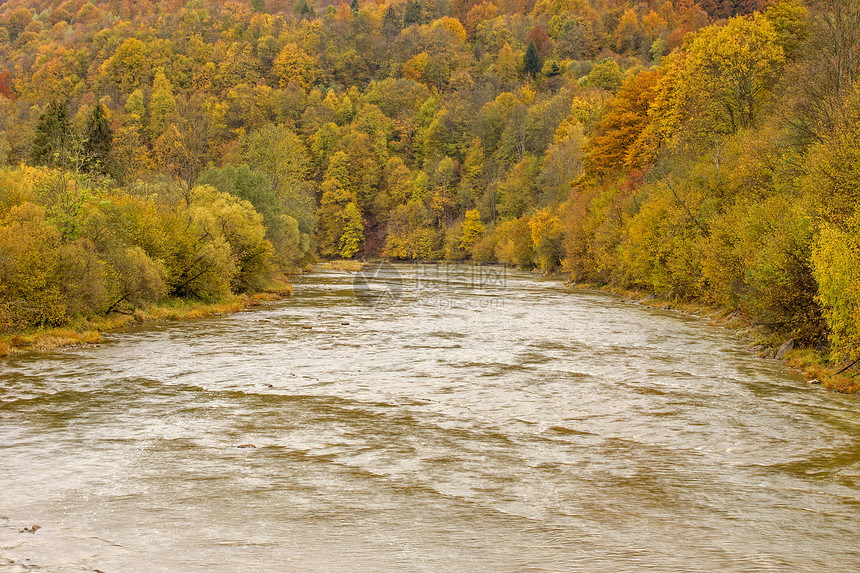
(701, 151)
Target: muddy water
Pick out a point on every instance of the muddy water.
(425, 419)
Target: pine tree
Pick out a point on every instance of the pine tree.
(532, 60)
(53, 136)
(98, 140)
(304, 10)
(413, 13)
(354, 6)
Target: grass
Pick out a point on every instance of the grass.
(818, 369)
(89, 330)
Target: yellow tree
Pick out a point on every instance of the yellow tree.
(506, 63)
(545, 228)
(729, 71)
(162, 106)
(472, 229)
(129, 64)
(353, 231)
(294, 65)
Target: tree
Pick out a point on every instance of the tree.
(98, 141)
(506, 63)
(628, 34)
(54, 137)
(532, 60)
(837, 272)
(412, 15)
(545, 228)
(619, 139)
(17, 22)
(831, 63)
(136, 279)
(353, 231)
(29, 291)
(6, 85)
(281, 156)
(606, 75)
(304, 10)
(730, 70)
(184, 148)
(395, 188)
(472, 229)
(253, 186)
(162, 106)
(129, 64)
(293, 64)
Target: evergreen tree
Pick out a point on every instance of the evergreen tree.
(98, 141)
(413, 13)
(304, 10)
(52, 143)
(532, 60)
(354, 6)
(391, 22)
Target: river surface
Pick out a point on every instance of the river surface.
(428, 418)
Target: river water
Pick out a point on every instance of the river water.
(425, 418)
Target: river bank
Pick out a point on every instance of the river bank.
(88, 330)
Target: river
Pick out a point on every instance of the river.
(425, 418)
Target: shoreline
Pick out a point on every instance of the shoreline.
(87, 331)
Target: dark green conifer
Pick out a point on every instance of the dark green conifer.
(413, 13)
(532, 60)
(53, 136)
(98, 140)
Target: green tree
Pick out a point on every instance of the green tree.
(606, 75)
(282, 157)
(289, 244)
(54, 137)
(412, 15)
(98, 141)
(532, 61)
(304, 10)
